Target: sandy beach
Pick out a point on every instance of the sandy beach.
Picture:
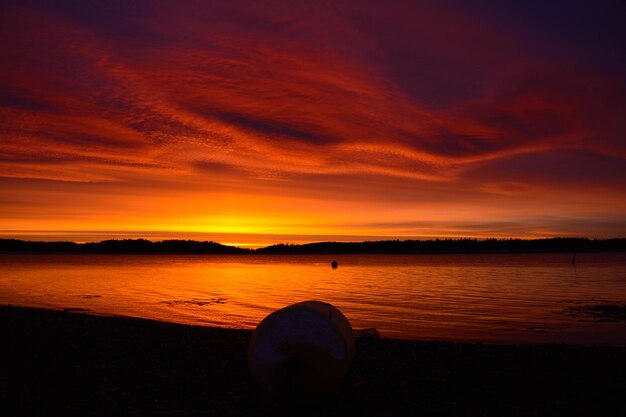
(68, 363)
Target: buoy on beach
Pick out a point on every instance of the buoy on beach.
(334, 264)
(302, 352)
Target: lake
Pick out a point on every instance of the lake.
(516, 298)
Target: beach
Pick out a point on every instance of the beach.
(69, 363)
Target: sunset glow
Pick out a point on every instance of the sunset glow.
(253, 123)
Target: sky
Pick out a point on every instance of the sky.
(257, 122)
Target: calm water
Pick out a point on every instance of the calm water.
(492, 298)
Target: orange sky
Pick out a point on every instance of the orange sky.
(285, 122)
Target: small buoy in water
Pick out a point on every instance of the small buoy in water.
(334, 264)
(302, 352)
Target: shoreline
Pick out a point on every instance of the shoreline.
(70, 363)
(409, 246)
(358, 332)
(501, 252)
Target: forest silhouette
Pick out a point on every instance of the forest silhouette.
(143, 246)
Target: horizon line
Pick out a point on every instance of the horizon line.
(261, 246)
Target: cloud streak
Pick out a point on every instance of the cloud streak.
(337, 111)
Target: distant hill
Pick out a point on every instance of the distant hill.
(138, 246)
(143, 246)
(453, 246)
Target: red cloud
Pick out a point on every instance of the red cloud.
(414, 99)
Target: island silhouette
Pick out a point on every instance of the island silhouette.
(465, 245)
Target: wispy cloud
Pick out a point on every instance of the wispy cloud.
(425, 107)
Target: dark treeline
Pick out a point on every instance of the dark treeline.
(386, 246)
(453, 246)
(119, 246)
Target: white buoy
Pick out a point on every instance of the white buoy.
(302, 352)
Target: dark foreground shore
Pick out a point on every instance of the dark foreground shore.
(68, 364)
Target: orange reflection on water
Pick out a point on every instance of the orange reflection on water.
(500, 298)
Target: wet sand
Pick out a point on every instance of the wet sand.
(71, 364)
